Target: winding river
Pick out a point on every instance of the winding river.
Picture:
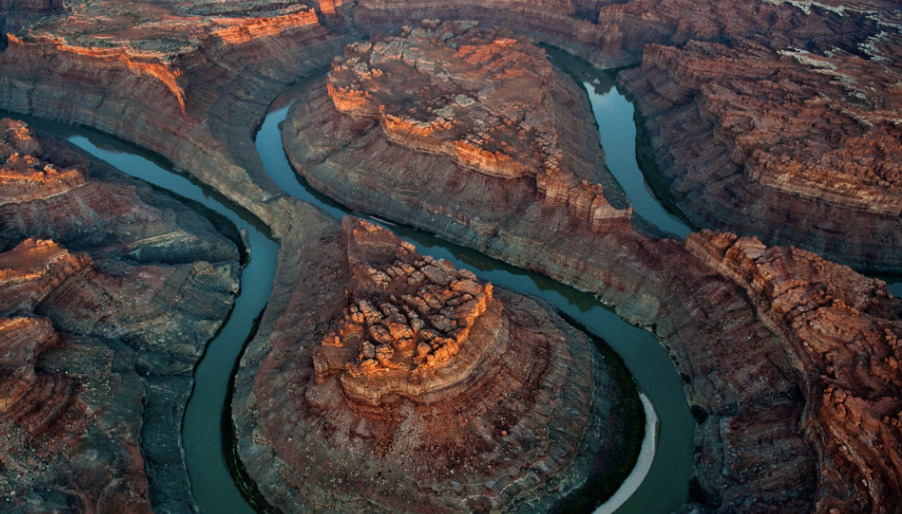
(660, 481)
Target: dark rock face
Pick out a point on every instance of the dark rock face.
(101, 342)
(196, 99)
(714, 329)
(354, 400)
(793, 146)
(841, 332)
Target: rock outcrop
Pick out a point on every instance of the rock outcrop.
(176, 87)
(713, 328)
(841, 332)
(482, 94)
(388, 381)
(797, 147)
(188, 80)
(99, 345)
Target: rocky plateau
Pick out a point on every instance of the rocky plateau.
(110, 291)
(772, 119)
(393, 382)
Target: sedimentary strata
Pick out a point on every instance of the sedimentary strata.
(188, 80)
(484, 99)
(539, 145)
(198, 104)
(713, 329)
(798, 147)
(388, 381)
(99, 344)
(841, 332)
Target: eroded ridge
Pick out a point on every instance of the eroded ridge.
(108, 294)
(408, 320)
(841, 332)
(479, 97)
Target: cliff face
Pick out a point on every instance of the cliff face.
(392, 382)
(484, 99)
(810, 156)
(100, 343)
(841, 333)
(801, 148)
(741, 370)
(183, 80)
(574, 26)
(709, 325)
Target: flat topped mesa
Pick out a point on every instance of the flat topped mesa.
(486, 99)
(408, 320)
(476, 96)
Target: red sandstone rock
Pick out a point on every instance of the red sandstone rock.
(479, 92)
(800, 147)
(184, 79)
(841, 332)
(33, 270)
(73, 406)
(382, 386)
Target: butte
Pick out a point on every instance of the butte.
(394, 382)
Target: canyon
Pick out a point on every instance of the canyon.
(750, 109)
(110, 293)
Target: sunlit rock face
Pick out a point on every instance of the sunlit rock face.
(415, 327)
(482, 98)
(188, 80)
(797, 146)
(106, 302)
(393, 382)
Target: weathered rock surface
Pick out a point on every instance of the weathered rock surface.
(552, 140)
(841, 331)
(708, 322)
(188, 80)
(828, 68)
(385, 381)
(99, 344)
(484, 99)
(797, 147)
(713, 329)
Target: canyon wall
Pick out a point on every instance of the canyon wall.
(796, 147)
(196, 100)
(110, 292)
(386, 381)
(191, 87)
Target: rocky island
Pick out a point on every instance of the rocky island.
(393, 382)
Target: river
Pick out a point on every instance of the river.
(658, 484)
(660, 481)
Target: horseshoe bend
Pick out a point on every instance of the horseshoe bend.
(380, 378)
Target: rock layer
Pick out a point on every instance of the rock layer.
(99, 344)
(797, 147)
(552, 153)
(188, 80)
(712, 327)
(357, 403)
(482, 98)
(841, 332)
